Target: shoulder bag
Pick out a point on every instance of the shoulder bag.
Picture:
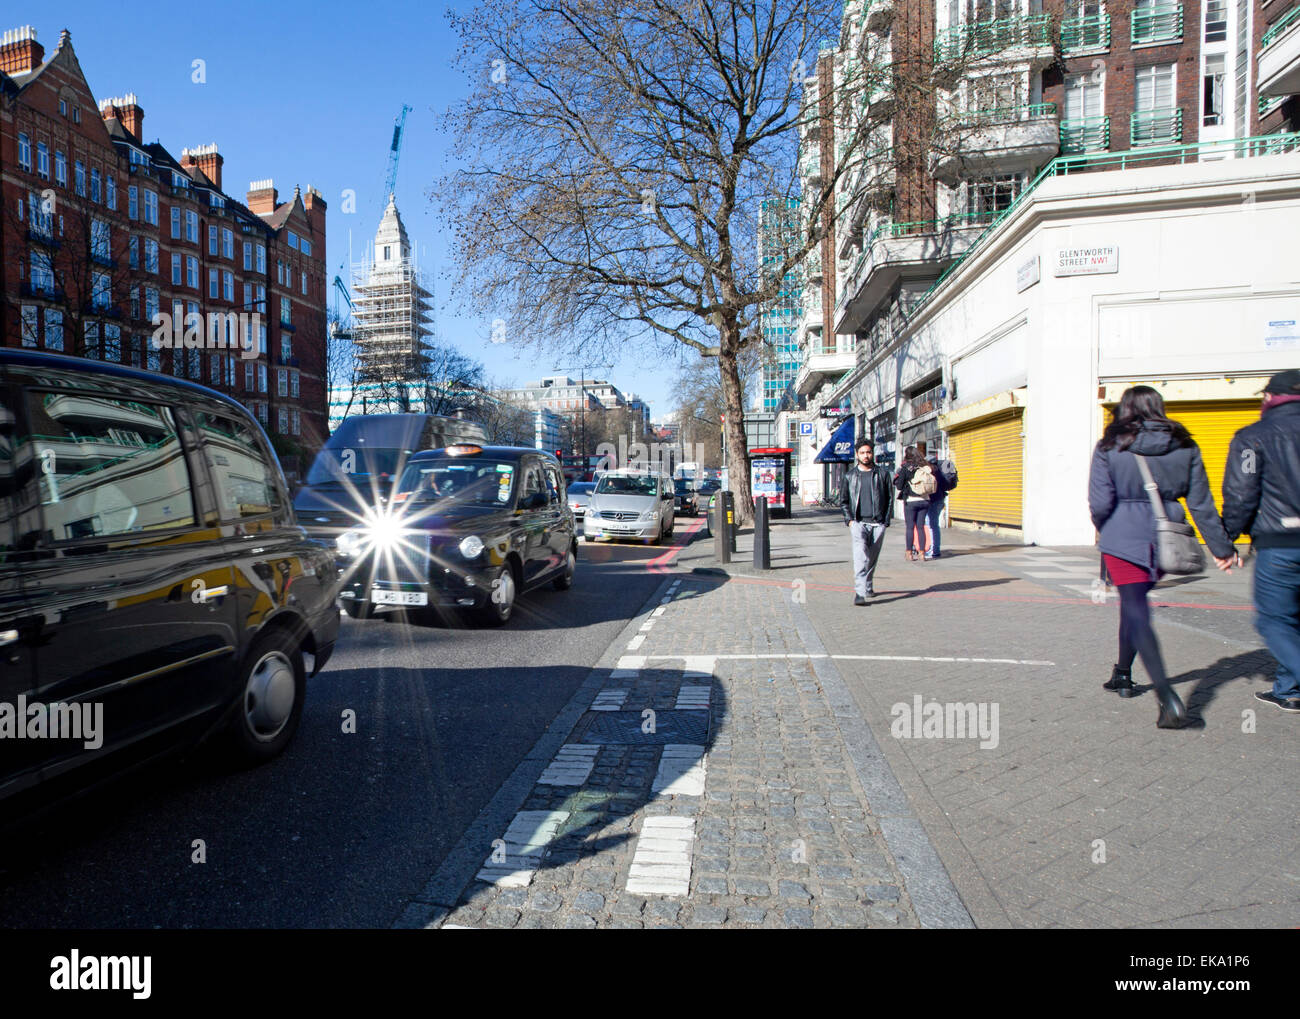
(1177, 549)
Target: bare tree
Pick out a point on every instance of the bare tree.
(75, 264)
(615, 158)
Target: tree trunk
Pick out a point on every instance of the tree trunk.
(733, 399)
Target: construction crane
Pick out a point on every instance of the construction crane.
(337, 328)
(395, 152)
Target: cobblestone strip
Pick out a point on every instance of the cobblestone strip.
(572, 765)
(681, 771)
(519, 853)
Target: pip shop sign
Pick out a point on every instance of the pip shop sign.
(1092, 261)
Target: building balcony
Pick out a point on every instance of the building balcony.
(894, 250)
(993, 141)
(1086, 134)
(821, 366)
(1000, 40)
(1080, 36)
(1161, 23)
(1156, 127)
(1279, 57)
(44, 238)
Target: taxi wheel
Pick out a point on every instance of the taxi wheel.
(497, 609)
(358, 609)
(272, 688)
(565, 580)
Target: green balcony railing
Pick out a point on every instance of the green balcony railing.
(1158, 23)
(982, 38)
(1267, 104)
(1237, 148)
(1156, 127)
(1003, 114)
(1085, 134)
(1080, 34)
(1290, 19)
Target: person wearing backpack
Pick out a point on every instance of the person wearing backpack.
(916, 483)
(1125, 519)
(945, 475)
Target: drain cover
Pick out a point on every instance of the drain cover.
(626, 727)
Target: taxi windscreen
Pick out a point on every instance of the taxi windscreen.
(476, 482)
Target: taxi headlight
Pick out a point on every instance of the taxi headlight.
(349, 542)
(471, 547)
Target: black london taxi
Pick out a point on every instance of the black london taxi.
(154, 589)
(469, 528)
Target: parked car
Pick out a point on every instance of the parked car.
(579, 495)
(154, 588)
(630, 504)
(470, 528)
(685, 501)
(358, 468)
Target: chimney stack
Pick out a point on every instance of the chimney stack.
(206, 159)
(126, 111)
(262, 197)
(19, 50)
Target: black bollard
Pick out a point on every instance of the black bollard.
(720, 512)
(762, 535)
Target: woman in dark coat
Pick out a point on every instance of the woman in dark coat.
(915, 506)
(1122, 513)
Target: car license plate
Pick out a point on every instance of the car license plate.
(399, 597)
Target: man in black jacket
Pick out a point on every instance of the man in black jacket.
(1261, 497)
(867, 499)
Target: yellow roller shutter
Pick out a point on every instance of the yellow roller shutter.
(1213, 424)
(990, 461)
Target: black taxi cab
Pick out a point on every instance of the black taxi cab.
(154, 589)
(469, 528)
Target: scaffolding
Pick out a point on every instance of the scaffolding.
(393, 318)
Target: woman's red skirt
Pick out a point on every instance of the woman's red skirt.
(1121, 571)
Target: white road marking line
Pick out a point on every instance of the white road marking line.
(628, 667)
(609, 700)
(647, 625)
(1063, 574)
(661, 863)
(878, 658)
(692, 698)
(572, 764)
(681, 771)
(636, 642)
(658, 612)
(699, 666)
(525, 840)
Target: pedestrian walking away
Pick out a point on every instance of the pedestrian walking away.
(1261, 497)
(916, 483)
(945, 476)
(867, 499)
(1126, 522)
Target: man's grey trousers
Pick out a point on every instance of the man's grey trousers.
(867, 541)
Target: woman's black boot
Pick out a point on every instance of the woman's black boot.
(1121, 681)
(1173, 715)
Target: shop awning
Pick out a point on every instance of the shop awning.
(840, 448)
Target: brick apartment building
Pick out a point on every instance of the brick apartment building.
(1017, 84)
(104, 234)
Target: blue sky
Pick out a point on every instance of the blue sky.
(307, 94)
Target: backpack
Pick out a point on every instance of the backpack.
(948, 472)
(923, 482)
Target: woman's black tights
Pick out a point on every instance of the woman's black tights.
(1136, 636)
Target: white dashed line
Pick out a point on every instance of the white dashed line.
(636, 642)
(628, 667)
(876, 658)
(661, 864)
(681, 771)
(609, 700)
(692, 698)
(658, 612)
(525, 844)
(572, 765)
